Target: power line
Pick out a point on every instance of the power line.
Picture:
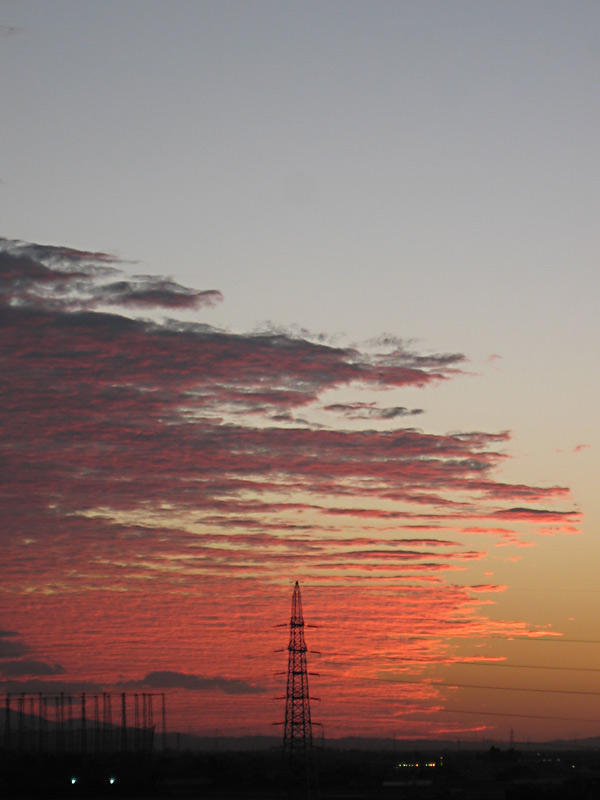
(489, 688)
(506, 714)
(501, 688)
(494, 637)
(522, 666)
(518, 638)
(453, 685)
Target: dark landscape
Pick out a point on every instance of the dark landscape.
(345, 768)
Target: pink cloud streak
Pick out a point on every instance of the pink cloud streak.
(144, 467)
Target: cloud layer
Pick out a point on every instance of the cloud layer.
(144, 456)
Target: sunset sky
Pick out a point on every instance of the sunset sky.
(303, 291)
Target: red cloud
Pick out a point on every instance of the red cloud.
(580, 447)
(145, 479)
(540, 515)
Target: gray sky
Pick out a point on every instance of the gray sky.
(425, 169)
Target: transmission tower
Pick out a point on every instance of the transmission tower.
(299, 768)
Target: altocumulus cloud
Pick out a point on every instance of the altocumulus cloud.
(30, 666)
(10, 645)
(167, 679)
(371, 411)
(170, 459)
(15, 663)
(93, 395)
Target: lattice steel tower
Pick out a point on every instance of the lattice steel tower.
(297, 737)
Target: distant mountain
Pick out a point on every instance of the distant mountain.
(187, 741)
